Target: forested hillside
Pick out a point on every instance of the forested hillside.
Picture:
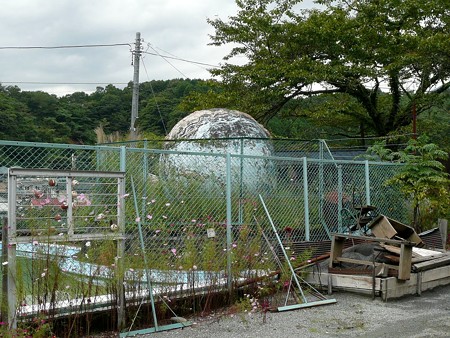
(41, 117)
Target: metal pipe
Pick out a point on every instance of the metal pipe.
(288, 261)
(366, 171)
(305, 198)
(141, 239)
(123, 158)
(321, 188)
(229, 239)
(12, 287)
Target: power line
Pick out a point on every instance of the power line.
(180, 59)
(66, 46)
(165, 59)
(154, 97)
(106, 45)
(63, 83)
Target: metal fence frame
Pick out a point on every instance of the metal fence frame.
(307, 181)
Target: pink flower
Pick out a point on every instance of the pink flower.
(174, 251)
(149, 216)
(138, 219)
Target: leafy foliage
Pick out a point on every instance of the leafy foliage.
(39, 116)
(423, 179)
(355, 51)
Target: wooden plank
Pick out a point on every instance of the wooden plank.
(416, 252)
(427, 265)
(345, 282)
(337, 245)
(355, 283)
(381, 227)
(443, 226)
(374, 239)
(355, 261)
(404, 267)
(388, 287)
(418, 282)
(393, 258)
(436, 274)
(394, 288)
(427, 253)
(389, 228)
(351, 271)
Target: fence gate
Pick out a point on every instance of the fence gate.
(52, 210)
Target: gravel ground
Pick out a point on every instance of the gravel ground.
(353, 315)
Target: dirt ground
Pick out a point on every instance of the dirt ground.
(353, 315)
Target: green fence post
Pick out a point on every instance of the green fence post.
(4, 308)
(241, 182)
(120, 260)
(228, 197)
(366, 171)
(305, 197)
(12, 272)
(144, 178)
(340, 195)
(98, 158)
(321, 194)
(123, 158)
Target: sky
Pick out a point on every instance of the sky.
(175, 28)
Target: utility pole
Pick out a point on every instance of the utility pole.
(135, 97)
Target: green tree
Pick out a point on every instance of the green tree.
(16, 121)
(374, 59)
(111, 107)
(74, 111)
(164, 103)
(423, 179)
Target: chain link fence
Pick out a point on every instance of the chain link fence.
(194, 223)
